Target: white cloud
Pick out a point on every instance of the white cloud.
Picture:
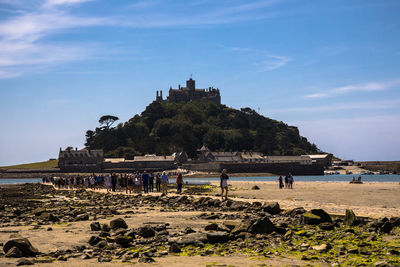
(64, 2)
(274, 62)
(366, 105)
(368, 87)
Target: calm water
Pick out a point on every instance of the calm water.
(325, 178)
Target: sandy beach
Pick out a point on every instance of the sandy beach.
(65, 242)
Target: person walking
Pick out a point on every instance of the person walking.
(224, 184)
(179, 183)
(158, 182)
(151, 182)
(113, 182)
(108, 182)
(164, 183)
(280, 182)
(145, 179)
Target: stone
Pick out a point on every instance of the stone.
(262, 226)
(315, 216)
(24, 261)
(23, 245)
(146, 259)
(102, 244)
(105, 228)
(94, 240)
(118, 223)
(327, 226)
(322, 248)
(14, 252)
(188, 239)
(189, 230)
(104, 259)
(95, 226)
(82, 217)
(272, 208)
(174, 248)
(386, 227)
(295, 211)
(38, 211)
(241, 227)
(350, 218)
(255, 187)
(123, 240)
(49, 217)
(211, 227)
(146, 231)
(395, 221)
(217, 237)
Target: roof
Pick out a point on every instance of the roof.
(114, 160)
(154, 158)
(81, 153)
(251, 155)
(319, 156)
(227, 158)
(288, 158)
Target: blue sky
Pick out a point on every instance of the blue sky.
(332, 68)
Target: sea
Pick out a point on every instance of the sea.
(322, 178)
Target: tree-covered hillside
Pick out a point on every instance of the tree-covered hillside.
(164, 128)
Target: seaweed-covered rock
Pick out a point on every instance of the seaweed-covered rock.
(217, 237)
(350, 218)
(315, 216)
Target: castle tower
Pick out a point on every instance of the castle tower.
(191, 84)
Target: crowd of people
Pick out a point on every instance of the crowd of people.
(137, 182)
(288, 181)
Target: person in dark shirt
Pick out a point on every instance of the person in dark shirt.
(179, 183)
(224, 184)
(151, 182)
(145, 179)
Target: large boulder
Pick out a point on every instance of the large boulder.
(217, 237)
(146, 231)
(123, 240)
(94, 240)
(295, 211)
(14, 252)
(95, 226)
(316, 216)
(188, 239)
(262, 226)
(350, 218)
(118, 223)
(272, 208)
(23, 245)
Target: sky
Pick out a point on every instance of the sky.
(331, 68)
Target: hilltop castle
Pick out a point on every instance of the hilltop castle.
(190, 93)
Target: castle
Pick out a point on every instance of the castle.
(190, 93)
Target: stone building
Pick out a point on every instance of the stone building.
(190, 93)
(80, 160)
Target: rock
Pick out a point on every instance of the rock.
(102, 244)
(95, 226)
(49, 217)
(188, 239)
(38, 211)
(255, 187)
(146, 259)
(174, 248)
(118, 223)
(123, 240)
(49, 229)
(353, 251)
(14, 252)
(82, 217)
(315, 216)
(322, 248)
(23, 245)
(104, 259)
(189, 230)
(327, 226)
(105, 228)
(230, 224)
(94, 240)
(386, 227)
(211, 227)
(272, 208)
(217, 237)
(295, 211)
(21, 262)
(350, 218)
(146, 231)
(262, 226)
(381, 264)
(395, 221)
(241, 227)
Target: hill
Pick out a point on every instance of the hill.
(37, 165)
(164, 128)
